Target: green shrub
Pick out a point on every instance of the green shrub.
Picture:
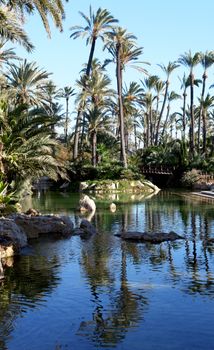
(190, 178)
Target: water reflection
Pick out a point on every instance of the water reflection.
(117, 282)
(28, 280)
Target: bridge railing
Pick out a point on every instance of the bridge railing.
(160, 169)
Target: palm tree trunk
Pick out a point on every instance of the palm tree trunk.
(204, 118)
(94, 148)
(120, 103)
(147, 132)
(79, 113)
(76, 135)
(161, 112)
(155, 119)
(91, 55)
(166, 121)
(66, 121)
(184, 114)
(151, 126)
(192, 116)
(200, 111)
(135, 137)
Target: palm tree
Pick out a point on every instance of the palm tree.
(121, 45)
(66, 93)
(26, 80)
(207, 103)
(190, 61)
(6, 55)
(29, 150)
(172, 97)
(206, 60)
(45, 8)
(11, 29)
(167, 70)
(97, 121)
(97, 26)
(132, 97)
(96, 96)
(149, 84)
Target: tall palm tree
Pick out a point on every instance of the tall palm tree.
(167, 70)
(206, 60)
(66, 93)
(97, 26)
(207, 104)
(149, 84)
(45, 8)
(122, 47)
(190, 61)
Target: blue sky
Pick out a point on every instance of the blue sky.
(165, 29)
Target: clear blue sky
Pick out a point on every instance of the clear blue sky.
(165, 29)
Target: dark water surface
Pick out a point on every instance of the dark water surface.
(106, 293)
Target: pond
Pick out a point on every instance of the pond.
(107, 293)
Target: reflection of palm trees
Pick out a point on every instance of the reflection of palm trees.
(25, 286)
(110, 324)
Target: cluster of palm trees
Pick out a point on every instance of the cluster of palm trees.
(28, 110)
(140, 113)
(120, 119)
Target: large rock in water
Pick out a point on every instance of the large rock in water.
(11, 232)
(87, 203)
(33, 226)
(149, 237)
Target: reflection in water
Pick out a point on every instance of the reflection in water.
(25, 286)
(114, 288)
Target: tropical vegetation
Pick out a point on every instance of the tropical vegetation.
(119, 126)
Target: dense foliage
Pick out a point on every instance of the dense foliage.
(119, 129)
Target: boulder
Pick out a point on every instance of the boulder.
(87, 204)
(10, 231)
(149, 237)
(33, 226)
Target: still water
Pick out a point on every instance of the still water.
(106, 293)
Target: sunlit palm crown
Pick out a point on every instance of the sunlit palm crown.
(98, 25)
(189, 60)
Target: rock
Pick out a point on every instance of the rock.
(86, 229)
(149, 237)
(33, 226)
(11, 231)
(87, 204)
(113, 207)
